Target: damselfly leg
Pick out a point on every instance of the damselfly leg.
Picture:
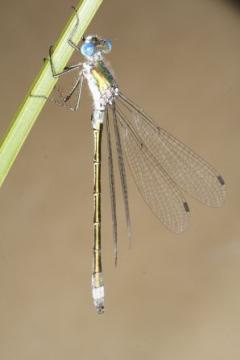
(70, 41)
(79, 81)
(66, 70)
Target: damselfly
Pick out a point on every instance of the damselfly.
(162, 166)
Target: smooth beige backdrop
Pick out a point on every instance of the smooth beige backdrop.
(172, 297)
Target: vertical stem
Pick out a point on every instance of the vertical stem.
(97, 275)
(43, 85)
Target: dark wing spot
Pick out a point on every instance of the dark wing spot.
(186, 207)
(220, 179)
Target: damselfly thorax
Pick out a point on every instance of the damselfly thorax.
(102, 86)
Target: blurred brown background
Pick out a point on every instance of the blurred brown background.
(171, 297)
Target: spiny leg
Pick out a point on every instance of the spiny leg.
(66, 70)
(70, 41)
(79, 94)
(77, 86)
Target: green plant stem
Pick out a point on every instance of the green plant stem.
(43, 85)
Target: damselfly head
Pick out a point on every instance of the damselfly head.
(93, 45)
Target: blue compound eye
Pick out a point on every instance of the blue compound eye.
(88, 49)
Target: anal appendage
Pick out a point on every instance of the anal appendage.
(98, 292)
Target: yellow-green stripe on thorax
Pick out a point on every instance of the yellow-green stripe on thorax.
(103, 77)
